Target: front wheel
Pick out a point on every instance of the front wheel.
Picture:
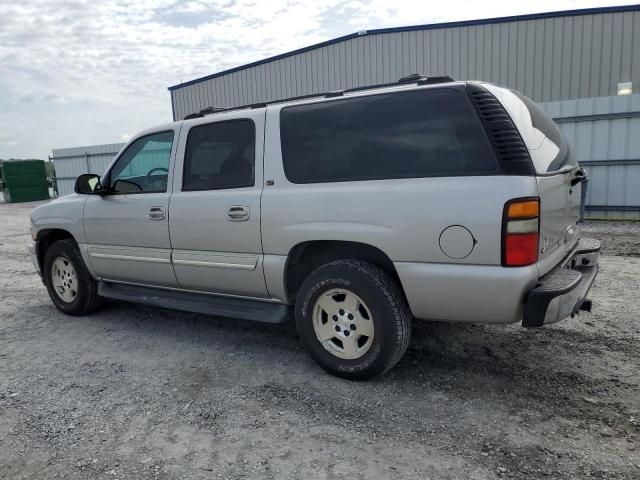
(71, 287)
(353, 319)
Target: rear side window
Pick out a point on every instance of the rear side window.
(220, 155)
(543, 122)
(425, 133)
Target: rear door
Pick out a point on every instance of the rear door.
(558, 176)
(214, 214)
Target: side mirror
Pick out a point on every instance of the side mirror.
(88, 184)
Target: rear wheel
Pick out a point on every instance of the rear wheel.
(353, 319)
(71, 287)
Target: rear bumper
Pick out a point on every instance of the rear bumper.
(563, 291)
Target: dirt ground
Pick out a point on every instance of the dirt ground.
(134, 392)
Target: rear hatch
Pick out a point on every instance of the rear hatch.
(558, 176)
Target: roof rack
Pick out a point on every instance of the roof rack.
(412, 78)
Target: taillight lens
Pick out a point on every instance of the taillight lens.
(520, 232)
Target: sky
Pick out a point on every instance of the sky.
(76, 73)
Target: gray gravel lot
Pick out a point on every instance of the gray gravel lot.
(137, 392)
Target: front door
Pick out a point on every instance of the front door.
(214, 215)
(127, 230)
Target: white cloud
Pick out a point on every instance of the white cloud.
(76, 72)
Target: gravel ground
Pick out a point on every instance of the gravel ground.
(143, 393)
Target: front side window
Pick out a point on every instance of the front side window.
(220, 155)
(422, 133)
(144, 165)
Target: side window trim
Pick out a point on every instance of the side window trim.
(106, 178)
(185, 164)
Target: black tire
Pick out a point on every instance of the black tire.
(86, 299)
(383, 297)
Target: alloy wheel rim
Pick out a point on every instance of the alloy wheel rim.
(64, 279)
(343, 324)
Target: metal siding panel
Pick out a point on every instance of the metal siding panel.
(546, 59)
(600, 138)
(597, 192)
(538, 72)
(568, 57)
(464, 53)
(334, 63)
(242, 87)
(606, 72)
(617, 34)
(522, 59)
(557, 49)
(472, 53)
(399, 67)
(361, 62)
(635, 53)
(412, 51)
(432, 52)
(348, 58)
(618, 134)
(502, 47)
(487, 73)
(448, 54)
(585, 62)
(596, 56)
(370, 59)
(634, 139)
(530, 56)
(632, 176)
(616, 185)
(425, 52)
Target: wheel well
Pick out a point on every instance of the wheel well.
(45, 239)
(305, 257)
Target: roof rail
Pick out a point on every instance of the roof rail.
(412, 78)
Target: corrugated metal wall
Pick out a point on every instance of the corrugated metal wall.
(605, 133)
(548, 59)
(69, 163)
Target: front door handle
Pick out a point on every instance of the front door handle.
(157, 213)
(238, 213)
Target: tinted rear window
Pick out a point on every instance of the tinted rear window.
(544, 123)
(424, 133)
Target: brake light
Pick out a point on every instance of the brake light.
(520, 232)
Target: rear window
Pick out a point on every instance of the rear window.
(424, 133)
(543, 122)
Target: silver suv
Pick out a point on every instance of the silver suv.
(358, 210)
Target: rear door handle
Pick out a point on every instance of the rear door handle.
(157, 213)
(238, 213)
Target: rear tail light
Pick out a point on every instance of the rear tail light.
(520, 232)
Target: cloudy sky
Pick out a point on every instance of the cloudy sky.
(88, 72)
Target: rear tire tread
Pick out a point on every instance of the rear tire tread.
(388, 287)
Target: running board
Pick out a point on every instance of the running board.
(196, 302)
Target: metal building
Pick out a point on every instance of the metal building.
(576, 63)
(548, 57)
(72, 162)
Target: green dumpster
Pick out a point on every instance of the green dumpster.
(24, 180)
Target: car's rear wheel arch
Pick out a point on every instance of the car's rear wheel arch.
(305, 257)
